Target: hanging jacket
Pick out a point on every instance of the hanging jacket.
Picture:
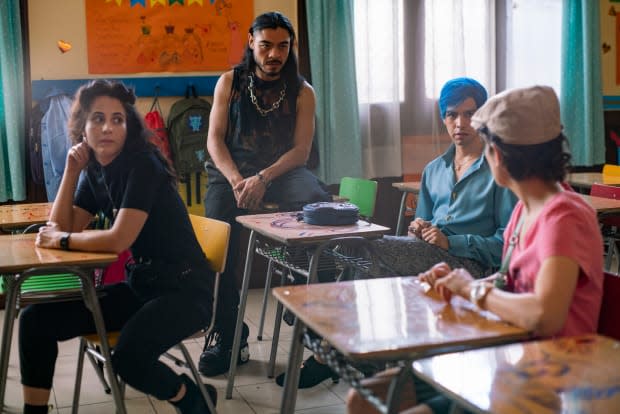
(55, 142)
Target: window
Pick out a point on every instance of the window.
(379, 50)
(534, 39)
(460, 39)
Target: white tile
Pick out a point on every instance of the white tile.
(254, 393)
(266, 398)
(133, 406)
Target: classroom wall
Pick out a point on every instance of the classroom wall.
(50, 21)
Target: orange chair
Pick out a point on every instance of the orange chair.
(610, 308)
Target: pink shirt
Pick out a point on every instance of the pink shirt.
(567, 226)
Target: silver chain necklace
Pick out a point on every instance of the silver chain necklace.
(274, 106)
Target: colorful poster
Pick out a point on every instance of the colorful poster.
(132, 36)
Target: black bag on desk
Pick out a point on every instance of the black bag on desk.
(330, 214)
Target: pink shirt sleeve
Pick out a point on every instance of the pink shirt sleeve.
(567, 227)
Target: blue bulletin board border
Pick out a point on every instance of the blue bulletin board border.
(143, 87)
(611, 102)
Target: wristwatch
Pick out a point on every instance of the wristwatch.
(478, 291)
(64, 241)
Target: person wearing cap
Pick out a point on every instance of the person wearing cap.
(551, 278)
(461, 212)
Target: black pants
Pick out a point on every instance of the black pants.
(291, 191)
(148, 329)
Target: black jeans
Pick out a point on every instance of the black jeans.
(291, 191)
(148, 329)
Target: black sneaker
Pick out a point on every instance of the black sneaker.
(215, 357)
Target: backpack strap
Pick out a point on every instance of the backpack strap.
(155, 104)
(191, 89)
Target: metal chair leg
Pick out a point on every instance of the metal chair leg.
(197, 377)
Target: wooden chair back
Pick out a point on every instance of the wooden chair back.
(605, 191)
(213, 237)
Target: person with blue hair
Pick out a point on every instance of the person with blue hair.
(461, 212)
(460, 216)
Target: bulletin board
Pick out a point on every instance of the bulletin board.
(610, 53)
(133, 36)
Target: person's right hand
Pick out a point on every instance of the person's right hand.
(78, 157)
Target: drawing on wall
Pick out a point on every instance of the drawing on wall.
(129, 36)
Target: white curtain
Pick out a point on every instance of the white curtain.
(459, 41)
(534, 39)
(379, 70)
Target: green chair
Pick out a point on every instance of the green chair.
(361, 192)
(47, 287)
(358, 191)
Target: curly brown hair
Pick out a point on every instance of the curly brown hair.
(137, 133)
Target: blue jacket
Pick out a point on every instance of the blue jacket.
(55, 142)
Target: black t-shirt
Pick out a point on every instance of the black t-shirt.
(139, 181)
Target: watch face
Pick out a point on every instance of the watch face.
(64, 242)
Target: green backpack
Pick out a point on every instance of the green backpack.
(188, 124)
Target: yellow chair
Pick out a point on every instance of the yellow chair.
(213, 236)
(611, 170)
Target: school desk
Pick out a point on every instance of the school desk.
(21, 259)
(15, 216)
(410, 187)
(583, 181)
(565, 375)
(283, 229)
(382, 320)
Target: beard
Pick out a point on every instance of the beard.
(273, 73)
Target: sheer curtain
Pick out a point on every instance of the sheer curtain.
(459, 40)
(379, 69)
(12, 117)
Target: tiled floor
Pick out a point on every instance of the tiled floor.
(253, 393)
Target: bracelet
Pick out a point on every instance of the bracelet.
(478, 292)
(263, 180)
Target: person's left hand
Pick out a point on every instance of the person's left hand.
(250, 193)
(433, 235)
(49, 236)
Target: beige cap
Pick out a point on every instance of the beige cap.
(527, 116)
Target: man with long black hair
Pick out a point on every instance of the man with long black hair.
(260, 135)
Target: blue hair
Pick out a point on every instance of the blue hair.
(455, 91)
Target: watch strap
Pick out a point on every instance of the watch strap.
(64, 241)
